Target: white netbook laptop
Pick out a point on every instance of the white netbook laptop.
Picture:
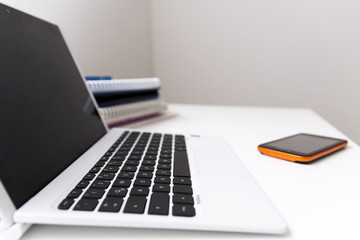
(59, 164)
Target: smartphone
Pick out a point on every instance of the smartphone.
(302, 148)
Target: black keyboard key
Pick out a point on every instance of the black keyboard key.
(183, 210)
(181, 164)
(95, 170)
(135, 157)
(115, 163)
(86, 205)
(99, 164)
(137, 152)
(165, 156)
(82, 184)
(149, 162)
(166, 151)
(132, 162)
(126, 175)
(141, 145)
(94, 193)
(178, 136)
(166, 147)
(182, 189)
(89, 176)
(124, 149)
(145, 175)
(129, 142)
(128, 168)
(142, 182)
(180, 144)
(118, 158)
(161, 188)
(117, 143)
(111, 204)
(164, 166)
(134, 135)
(161, 179)
(142, 149)
(164, 161)
(122, 183)
(154, 145)
(111, 169)
(121, 152)
(106, 176)
(100, 184)
(135, 204)
(108, 154)
(180, 148)
(180, 139)
(150, 157)
(159, 204)
(155, 149)
(66, 204)
(161, 172)
(152, 153)
(112, 148)
(183, 199)
(182, 181)
(117, 192)
(147, 168)
(74, 193)
(124, 135)
(139, 191)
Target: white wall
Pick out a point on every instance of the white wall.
(106, 37)
(300, 53)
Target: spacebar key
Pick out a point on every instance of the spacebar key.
(181, 164)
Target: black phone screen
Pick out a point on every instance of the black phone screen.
(303, 144)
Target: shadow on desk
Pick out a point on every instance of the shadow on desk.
(76, 232)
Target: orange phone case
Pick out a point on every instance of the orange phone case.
(297, 158)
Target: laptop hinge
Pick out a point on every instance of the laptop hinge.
(14, 232)
(9, 229)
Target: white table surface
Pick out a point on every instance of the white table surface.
(320, 200)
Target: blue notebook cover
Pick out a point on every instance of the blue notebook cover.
(94, 78)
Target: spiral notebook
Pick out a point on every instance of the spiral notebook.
(126, 113)
(123, 85)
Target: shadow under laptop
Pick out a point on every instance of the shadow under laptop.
(80, 232)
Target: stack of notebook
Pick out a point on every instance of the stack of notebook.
(124, 101)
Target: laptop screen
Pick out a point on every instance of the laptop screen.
(47, 116)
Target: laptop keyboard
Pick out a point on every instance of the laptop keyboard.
(140, 173)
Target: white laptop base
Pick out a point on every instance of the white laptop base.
(226, 196)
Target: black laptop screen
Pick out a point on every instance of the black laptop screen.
(47, 116)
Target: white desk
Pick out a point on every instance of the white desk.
(319, 200)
